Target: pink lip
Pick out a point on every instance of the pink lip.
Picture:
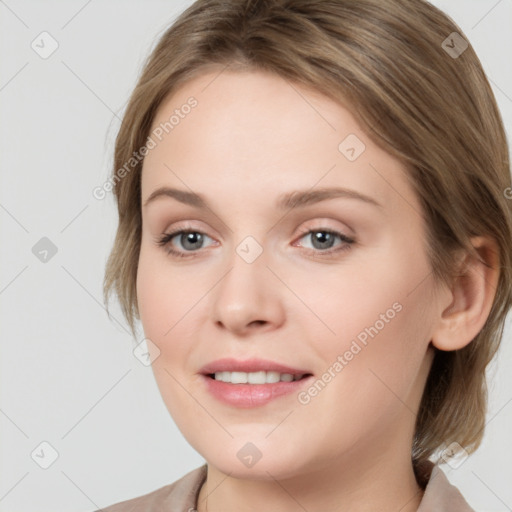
(250, 395)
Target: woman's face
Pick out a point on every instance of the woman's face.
(278, 267)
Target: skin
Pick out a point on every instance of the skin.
(252, 137)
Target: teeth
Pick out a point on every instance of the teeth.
(261, 377)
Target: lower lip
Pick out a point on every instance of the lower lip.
(252, 395)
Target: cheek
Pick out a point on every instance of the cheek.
(376, 305)
(381, 316)
(160, 304)
(152, 301)
(171, 306)
(164, 294)
(383, 295)
(163, 301)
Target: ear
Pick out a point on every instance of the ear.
(470, 298)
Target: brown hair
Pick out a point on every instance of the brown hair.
(434, 110)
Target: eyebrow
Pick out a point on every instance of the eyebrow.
(286, 201)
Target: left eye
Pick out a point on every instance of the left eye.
(323, 239)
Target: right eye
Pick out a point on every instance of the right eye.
(191, 240)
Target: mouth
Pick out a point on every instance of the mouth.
(252, 383)
(252, 371)
(257, 378)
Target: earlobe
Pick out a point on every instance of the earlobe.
(472, 295)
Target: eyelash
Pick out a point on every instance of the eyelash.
(164, 240)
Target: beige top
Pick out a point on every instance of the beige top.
(181, 495)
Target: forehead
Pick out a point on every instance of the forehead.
(255, 130)
(240, 109)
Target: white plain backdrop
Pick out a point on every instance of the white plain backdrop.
(68, 375)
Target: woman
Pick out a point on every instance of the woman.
(315, 233)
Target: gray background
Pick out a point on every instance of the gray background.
(69, 377)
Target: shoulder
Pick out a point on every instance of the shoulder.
(181, 495)
(440, 495)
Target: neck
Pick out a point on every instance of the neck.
(384, 485)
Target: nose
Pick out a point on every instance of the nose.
(248, 298)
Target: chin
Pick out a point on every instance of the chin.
(264, 470)
(256, 460)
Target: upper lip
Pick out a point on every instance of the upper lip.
(248, 365)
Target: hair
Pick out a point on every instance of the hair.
(385, 62)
